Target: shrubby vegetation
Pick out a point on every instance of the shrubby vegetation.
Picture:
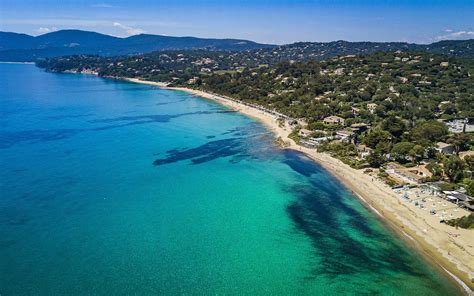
(463, 222)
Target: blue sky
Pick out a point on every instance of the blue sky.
(277, 22)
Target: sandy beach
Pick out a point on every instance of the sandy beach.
(450, 250)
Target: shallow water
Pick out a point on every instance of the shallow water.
(113, 188)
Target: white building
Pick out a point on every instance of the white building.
(444, 148)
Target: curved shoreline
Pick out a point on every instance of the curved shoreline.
(374, 194)
(446, 254)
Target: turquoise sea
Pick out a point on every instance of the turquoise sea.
(114, 188)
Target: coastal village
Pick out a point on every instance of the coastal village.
(337, 126)
(411, 183)
(237, 147)
(391, 126)
(401, 178)
(428, 204)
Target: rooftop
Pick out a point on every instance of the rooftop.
(442, 145)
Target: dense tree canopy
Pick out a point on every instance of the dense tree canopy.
(453, 168)
(430, 130)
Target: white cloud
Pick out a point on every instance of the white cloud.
(102, 5)
(43, 30)
(83, 23)
(130, 31)
(455, 35)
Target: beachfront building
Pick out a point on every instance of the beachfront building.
(193, 80)
(314, 142)
(444, 148)
(304, 133)
(308, 144)
(420, 170)
(334, 120)
(432, 188)
(460, 199)
(363, 151)
(415, 175)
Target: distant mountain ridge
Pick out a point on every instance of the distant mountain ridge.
(22, 47)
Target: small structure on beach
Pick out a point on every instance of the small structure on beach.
(415, 175)
(460, 199)
(432, 188)
(314, 142)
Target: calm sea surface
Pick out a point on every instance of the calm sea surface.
(110, 188)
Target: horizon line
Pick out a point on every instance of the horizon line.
(217, 38)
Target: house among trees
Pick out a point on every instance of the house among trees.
(359, 127)
(444, 148)
(371, 107)
(355, 111)
(193, 80)
(363, 151)
(441, 104)
(345, 136)
(333, 120)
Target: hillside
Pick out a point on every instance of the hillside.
(21, 47)
(396, 100)
(305, 51)
(411, 85)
